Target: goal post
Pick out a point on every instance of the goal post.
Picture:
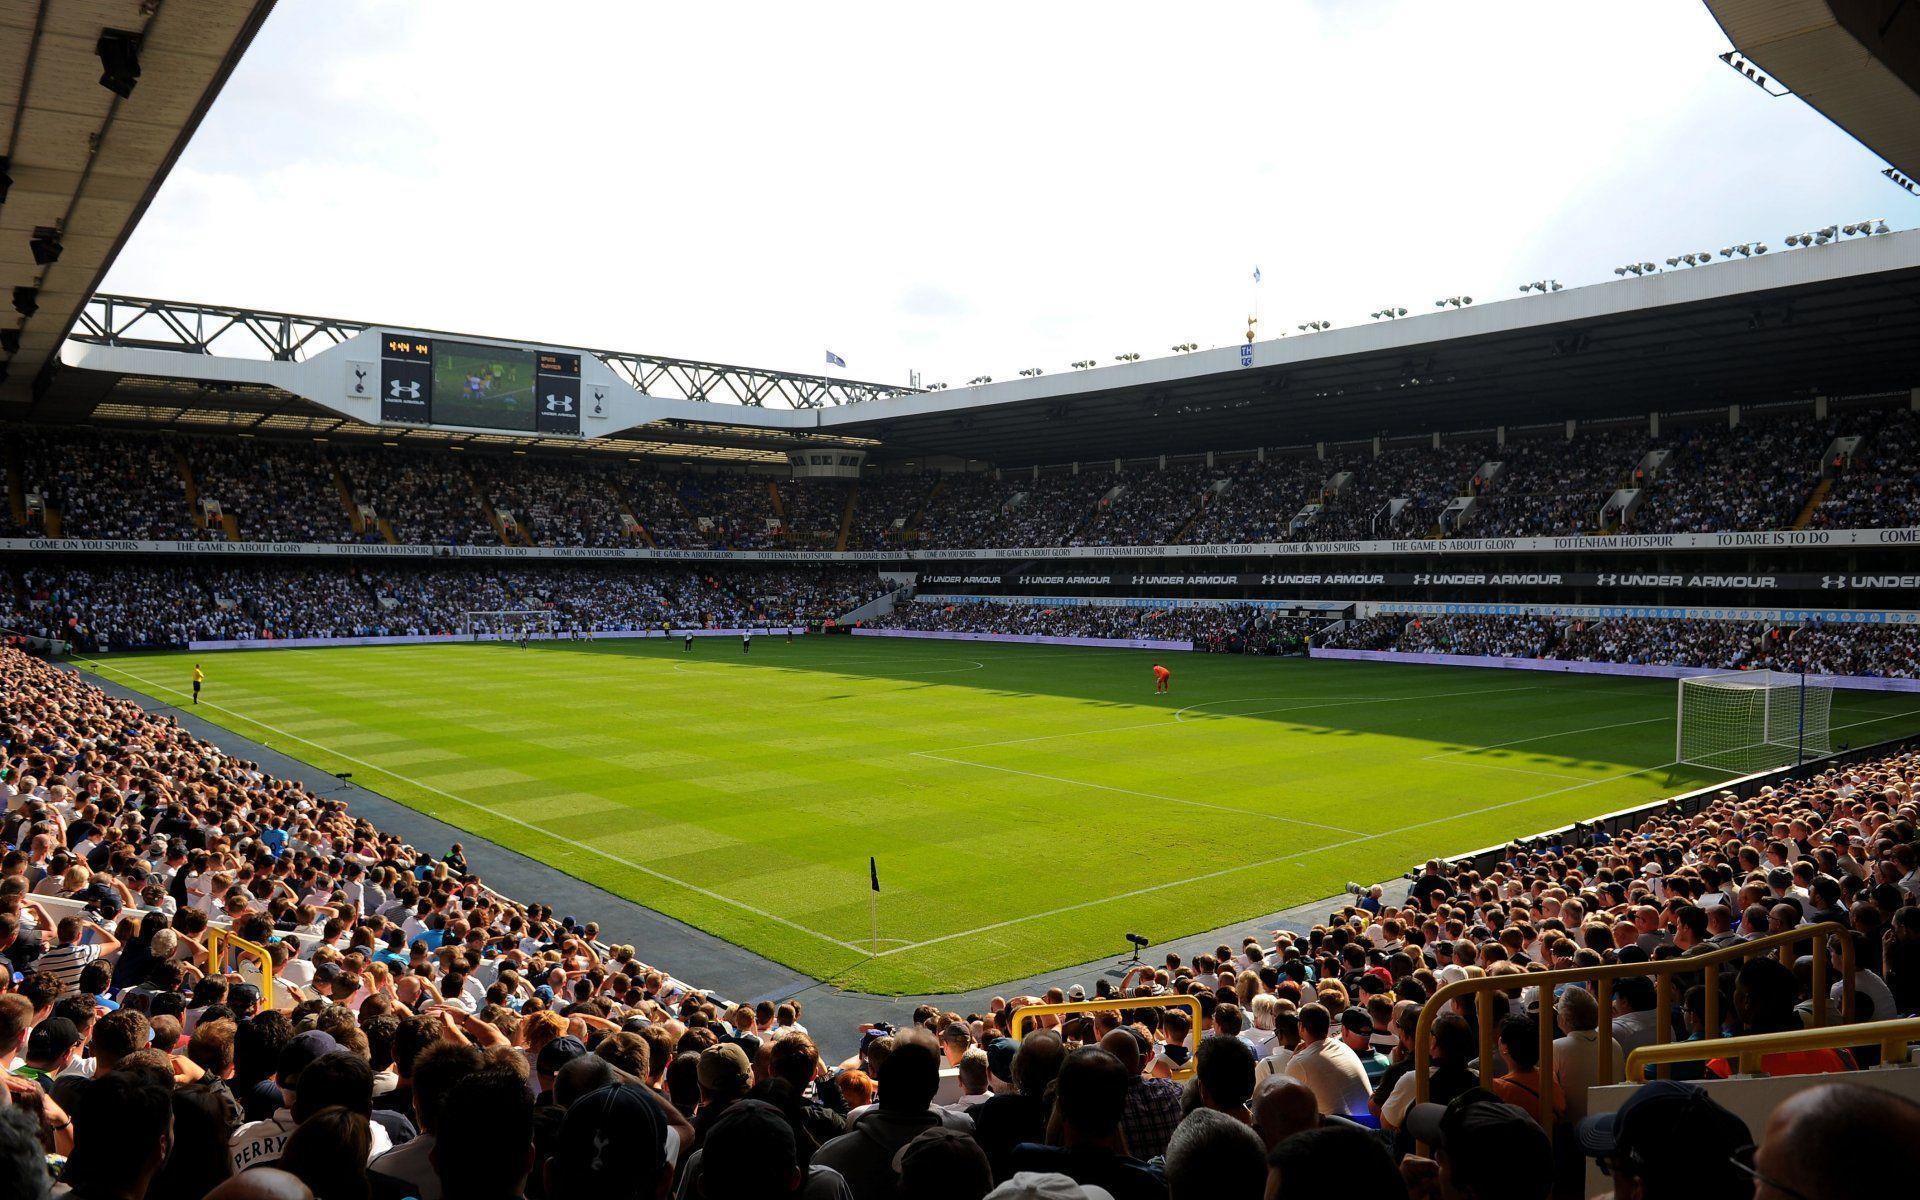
(1746, 721)
(508, 624)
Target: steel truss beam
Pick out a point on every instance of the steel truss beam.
(290, 337)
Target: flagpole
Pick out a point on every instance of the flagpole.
(873, 902)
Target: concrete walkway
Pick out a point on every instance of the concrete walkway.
(831, 1014)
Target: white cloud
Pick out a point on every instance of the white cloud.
(966, 190)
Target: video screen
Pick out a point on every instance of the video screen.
(488, 387)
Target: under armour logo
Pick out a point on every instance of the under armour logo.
(397, 389)
(1422, 580)
(1609, 580)
(559, 404)
(1833, 581)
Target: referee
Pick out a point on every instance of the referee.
(199, 677)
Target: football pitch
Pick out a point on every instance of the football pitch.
(1027, 805)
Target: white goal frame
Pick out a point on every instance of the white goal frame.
(505, 624)
(1741, 722)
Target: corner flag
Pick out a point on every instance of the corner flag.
(873, 871)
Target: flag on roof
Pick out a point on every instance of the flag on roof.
(1256, 274)
(834, 360)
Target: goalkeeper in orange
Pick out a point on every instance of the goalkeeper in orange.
(1162, 679)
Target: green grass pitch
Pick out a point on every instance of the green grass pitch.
(1027, 805)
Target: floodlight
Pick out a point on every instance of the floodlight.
(119, 53)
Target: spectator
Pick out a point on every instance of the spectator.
(1833, 1142)
(1089, 1097)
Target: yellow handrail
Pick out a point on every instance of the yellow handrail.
(1119, 1003)
(1893, 1038)
(1482, 989)
(219, 939)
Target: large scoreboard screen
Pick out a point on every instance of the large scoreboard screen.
(488, 387)
(442, 382)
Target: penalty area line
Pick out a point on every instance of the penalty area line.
(662, 876)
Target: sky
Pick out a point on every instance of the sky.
(967, 190)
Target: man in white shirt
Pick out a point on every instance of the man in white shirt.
(1576, 1056)
(1326, 1065)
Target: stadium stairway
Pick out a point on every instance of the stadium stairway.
(846, 519)
(354, 518)
(630, 519)
(1814, 502)
(16, 486)
(194, 513)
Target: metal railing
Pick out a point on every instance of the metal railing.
(1748, 1052)
(1119, 1004)
(1600, 979)
(219, 940)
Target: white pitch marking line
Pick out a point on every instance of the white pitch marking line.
(1267, 862)
(578, 845)
(1227, 808)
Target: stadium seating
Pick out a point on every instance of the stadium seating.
(1543, 483)
(407, 992)
(1818, 648)
(147, 605)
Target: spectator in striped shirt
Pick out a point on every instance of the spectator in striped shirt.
(66, 960)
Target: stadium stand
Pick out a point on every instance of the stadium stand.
(1816, 647)
(147, 605)
(420, 1026)
(128, 485)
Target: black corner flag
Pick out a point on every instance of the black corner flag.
(873, 872)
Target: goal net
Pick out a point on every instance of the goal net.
(1746, 721)
(508, 625)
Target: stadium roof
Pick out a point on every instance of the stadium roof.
(85, 162)
(1857, 62)
(1841, 319)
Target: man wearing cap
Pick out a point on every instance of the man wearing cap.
(612, 1145)
(1482, 1150)
(725, 1076)
(51, 1047)
(1669, 1140)
(263, 1141)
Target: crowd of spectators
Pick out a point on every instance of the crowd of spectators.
(106, 485)
(1260, 501)
(429, 1037)
(425, 498)
(1152, 508)
(1758, 475)
(1819, 648)
(161, 605)
(1880, 485)
(1228, 628)
(555, 503)
(1556, 487)
(274, 492)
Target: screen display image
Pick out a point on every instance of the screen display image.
(488, 387)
